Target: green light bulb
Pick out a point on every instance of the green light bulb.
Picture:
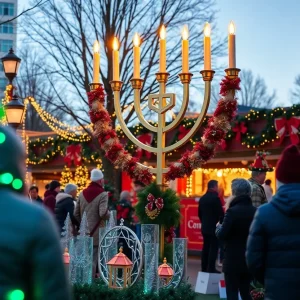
(6, 178)
(2, 137)
(16, 295)
(17, 184)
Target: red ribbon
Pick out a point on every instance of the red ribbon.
(146, 139)
(223, 145)
(239, 129)
(170, 234)
(73, 154)
(183, 131)
(290, 127)
(159, 202)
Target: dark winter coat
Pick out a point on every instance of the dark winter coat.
(234, 232)
(50, 200)
(30, 252)
(273, 250)
(64, 205)
(210, 212)
(38, 200)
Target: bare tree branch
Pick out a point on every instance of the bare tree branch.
(41, 2)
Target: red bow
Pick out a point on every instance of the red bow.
(183, 131)
(159, 202)
(146, 139)
(170, 234)
(73, 154)
(239, 129)
(284, 126)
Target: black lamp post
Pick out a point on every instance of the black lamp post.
(14, 109)
(11, 63)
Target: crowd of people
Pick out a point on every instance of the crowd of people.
(260, 232)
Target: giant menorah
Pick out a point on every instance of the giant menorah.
(162, 102)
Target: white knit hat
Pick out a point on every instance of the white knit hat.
(96, 175)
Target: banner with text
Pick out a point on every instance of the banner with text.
(191, 226)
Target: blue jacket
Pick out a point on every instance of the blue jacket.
(273, 249)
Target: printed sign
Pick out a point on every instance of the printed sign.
(190, 226)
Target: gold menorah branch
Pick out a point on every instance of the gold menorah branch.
(161, 103)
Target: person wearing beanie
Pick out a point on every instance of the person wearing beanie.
(273, 250)
(94, 201)
(30, 251)
(234, 232)
(50, 195)
(65, 205)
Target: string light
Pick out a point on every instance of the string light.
(66, 177)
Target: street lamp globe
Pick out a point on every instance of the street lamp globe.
(14, 111)
(11, 63)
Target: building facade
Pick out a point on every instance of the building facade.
(8, 33)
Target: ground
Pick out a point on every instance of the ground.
(194, 266)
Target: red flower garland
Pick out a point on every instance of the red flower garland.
(218, 126)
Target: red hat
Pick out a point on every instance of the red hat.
(288, 166)
(260, 164)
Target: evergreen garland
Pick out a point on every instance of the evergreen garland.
(99, 290)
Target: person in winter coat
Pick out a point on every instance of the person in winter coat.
(50, 195)
(210, 212)
(65, 205)
(34, 195)
(273, 250)
(94, 201)
(234, 232)
(30, 252)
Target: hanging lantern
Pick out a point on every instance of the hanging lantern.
(120, 264)
(165, 272)
(66, 259)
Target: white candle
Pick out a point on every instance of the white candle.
(136, 56)
(185, 50)
(207, 53)
(116, 67)
(231, 45)
(162, 44)
(96, 60)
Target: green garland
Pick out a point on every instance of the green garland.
(99, 290)
(54, 146)
(169, 215)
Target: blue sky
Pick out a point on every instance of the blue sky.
(268, 39)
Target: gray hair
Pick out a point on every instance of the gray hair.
(70, 187)
(125, 195)
(240, 187)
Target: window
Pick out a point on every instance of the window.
(3, 83)
(7, 28)
(5, 45)
(6, 9)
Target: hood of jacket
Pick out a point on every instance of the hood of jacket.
(50, 193)
(62, 196)
(92, 191)
(287, 199)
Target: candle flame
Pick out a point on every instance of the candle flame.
(163, 32)
(96, 47)
(115, 44)
(185, 32)
(207, 29)
(231, 28)
(136, 40)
